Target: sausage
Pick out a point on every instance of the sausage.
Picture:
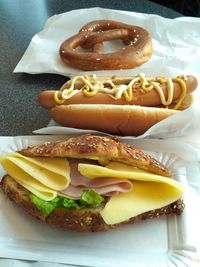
(150, 99)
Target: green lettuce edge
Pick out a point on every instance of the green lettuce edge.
(89, 198)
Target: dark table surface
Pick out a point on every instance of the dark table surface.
(19, 21)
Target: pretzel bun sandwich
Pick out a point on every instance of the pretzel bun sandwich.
(90, 183)
(118, 105)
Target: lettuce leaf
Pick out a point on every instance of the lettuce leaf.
(88, 198)
(46, 207)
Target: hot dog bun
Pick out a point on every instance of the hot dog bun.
(118, 105)
(113, 119)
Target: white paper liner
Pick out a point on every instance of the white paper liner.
(160, 242)
(176, 50)
(176, 43)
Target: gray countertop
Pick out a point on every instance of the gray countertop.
(20, 21)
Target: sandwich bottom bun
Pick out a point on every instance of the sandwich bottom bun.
(88, 219)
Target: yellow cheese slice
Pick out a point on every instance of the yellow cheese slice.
(150, 191)
(122, 171)
(27, 181)
(42, 176)
(144, 197)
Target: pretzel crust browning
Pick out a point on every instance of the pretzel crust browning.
(137, 51)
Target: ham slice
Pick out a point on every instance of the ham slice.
(103, 186)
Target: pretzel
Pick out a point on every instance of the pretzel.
(137, 51)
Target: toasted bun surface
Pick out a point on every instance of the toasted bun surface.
(101, 148)
(77, 220)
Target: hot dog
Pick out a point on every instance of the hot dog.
(149, 99)
(125, 101)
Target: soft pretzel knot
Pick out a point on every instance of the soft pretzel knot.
(137, 49)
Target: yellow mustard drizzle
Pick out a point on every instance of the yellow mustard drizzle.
(58, 100)
(93, 85)
(128, 93)
(86, 91)
(183, 91)
(145, 84)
